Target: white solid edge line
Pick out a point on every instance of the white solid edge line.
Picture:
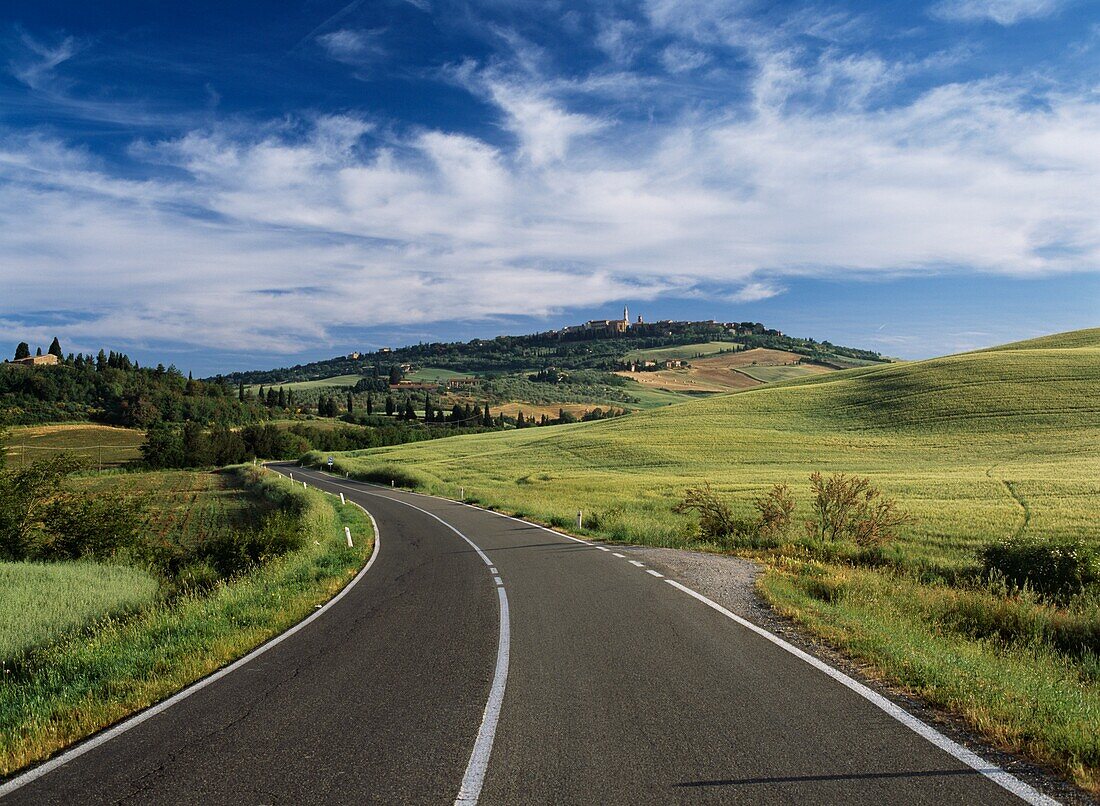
(1003, 779)
(474, 778)
(45, 768)
(952, 748)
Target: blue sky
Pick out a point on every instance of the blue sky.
(239, 185)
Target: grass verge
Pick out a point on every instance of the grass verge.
(61, 693)
(1025, 695)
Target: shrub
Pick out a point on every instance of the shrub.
(716, 519)
(1055, 568)
(849, 507)
(232, 553)
(775, 508)
(25, 496)
(92, 526)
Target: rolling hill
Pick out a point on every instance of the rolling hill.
(944, 435)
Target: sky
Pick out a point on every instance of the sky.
(255, 184)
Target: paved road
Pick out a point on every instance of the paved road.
(619, 688)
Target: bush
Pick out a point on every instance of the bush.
(81, 526)
(234, 553)
(848, 507)
(775, 507)
(1058, 569)
(25, 496)
(716, 519)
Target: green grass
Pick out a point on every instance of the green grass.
(320, 383)
(681, 352)
(650, 398)
(427, 374)
(69, 689)
(99, 445)
(42, 602)
(977, 447)
(775, 374)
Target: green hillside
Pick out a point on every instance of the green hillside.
(977, 447)
(942, 434)
(1057, 341)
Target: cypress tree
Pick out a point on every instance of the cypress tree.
(487, 421)
(101, 361)
(410, 412)
(290, 398)
(370, 404)
(351, 403)
(55, 347)
(389, 405)
(38, 351)
(240, 391)
(282, 398)
(22, 350)
(519, 420)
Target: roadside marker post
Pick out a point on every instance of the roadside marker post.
(305, 486)
(392, 483)
(580, 518)
(292, 477)
(461, 493)
(347, 534)
(342, 501)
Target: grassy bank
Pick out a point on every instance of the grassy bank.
(976, 447)
(61, 692)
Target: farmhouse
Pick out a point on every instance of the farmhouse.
(462, 383)
(47, 360)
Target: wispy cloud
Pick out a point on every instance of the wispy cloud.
(35, 66)
(352, 46)
(1002, 12)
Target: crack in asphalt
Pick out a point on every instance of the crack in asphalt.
(150, 779)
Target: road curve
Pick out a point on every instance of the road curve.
(620, 688)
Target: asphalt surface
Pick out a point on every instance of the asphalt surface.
(621, 688)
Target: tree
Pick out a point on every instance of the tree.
(282, 398)
(427, 407)
(395, 375)
(101, 361)
(488, 418)
(38, 351)
(55, 347)
(410, 412)
(389, 406)
(370, 404)
(240, 391)
(22, 350)
(351, 403)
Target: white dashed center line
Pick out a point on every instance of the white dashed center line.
(651, 571)
(616, 554)
(635, 562)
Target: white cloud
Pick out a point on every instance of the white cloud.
(756, 291)
(678, 58)
(354, 46)
(275, 237)
(1002, 12)
(35, 68)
